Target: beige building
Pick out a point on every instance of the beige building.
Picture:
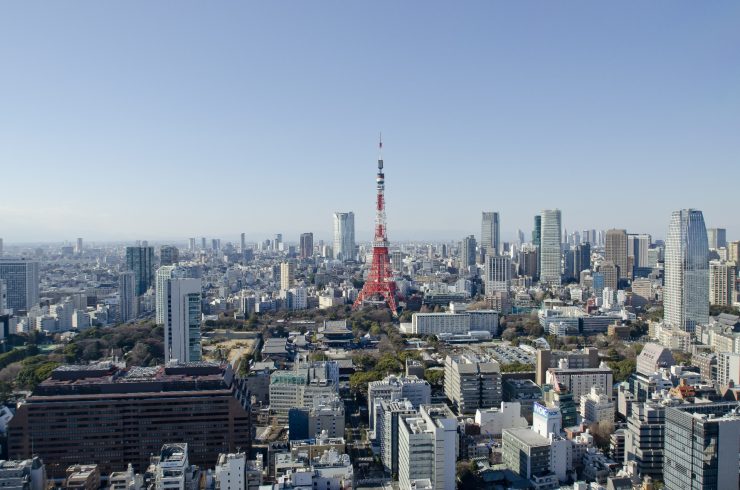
(616, 251)
(721, 282)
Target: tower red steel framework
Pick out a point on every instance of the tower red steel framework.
(380, 283)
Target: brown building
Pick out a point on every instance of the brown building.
(113, 416)
(577, 359)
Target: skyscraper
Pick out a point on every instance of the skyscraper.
(78, 247)
(287, 275)
(550, 246)
(537, 242)
(686, 284)
(717, 237)
(467, 253)
(242, 242)
(22, 282)
(490, 234)
(141, 261)
(637, 248)
(306, 245)
(344, 236)
(178, 301)
(191, 244)
(582, 258)
(168, 255)
(127, 302)
(616, 251)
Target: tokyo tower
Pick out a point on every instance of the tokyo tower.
(380, 284)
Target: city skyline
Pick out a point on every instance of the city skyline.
(548, 100)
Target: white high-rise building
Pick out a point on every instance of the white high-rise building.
(179, 309)
(490, 238)
(127, 300)
(686, 284)
(427, 448)
(551, 246)
(344, 236)
(22, 282)
(287, 275)
(497, 274)
(78, 247)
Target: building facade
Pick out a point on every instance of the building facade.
(686, 282)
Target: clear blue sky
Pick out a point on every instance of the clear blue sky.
(152, 120)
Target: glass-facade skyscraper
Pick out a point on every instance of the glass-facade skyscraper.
(344, 236)
(141, 261)
(551, 246)
(686, 284)
(490, 235)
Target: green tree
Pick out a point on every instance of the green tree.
(434, 377)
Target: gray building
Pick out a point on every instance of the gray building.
(551, 247)
(22, 282)
(702, 442)
(472, 382)
(686, 282)
(653, 357)
(490, 238)
(526, 452)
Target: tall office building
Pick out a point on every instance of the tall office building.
(722, 277)
(490, 235)
(717, 237)
(637, 248)
(178, 309)
(168, 255)
(287, 275)
(22, 282)
(216, 244)
(582, 259)
(497, 274)
(78, 247)
(344, 236)
(537, 242)
(467, 253)
(127, 299)
(551, 246)
(306, 245)
(701, 446)
(397, 261)
(616, 251)
(472, 382)
(202, 243)
(243, 243)
(686, 283)
(141, 261)
(191, 244)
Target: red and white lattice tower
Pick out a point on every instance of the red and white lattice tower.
(380, 283)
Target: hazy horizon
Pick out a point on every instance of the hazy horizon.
(159, 121)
